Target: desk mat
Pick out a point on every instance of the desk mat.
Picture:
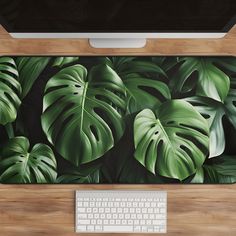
(117, 119)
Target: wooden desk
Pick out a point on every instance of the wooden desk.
(35, 210)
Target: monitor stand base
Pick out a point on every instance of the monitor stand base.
(117, 42)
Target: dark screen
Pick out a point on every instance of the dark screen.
(117, 15)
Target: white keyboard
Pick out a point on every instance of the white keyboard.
(109, 211)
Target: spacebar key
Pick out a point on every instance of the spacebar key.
(117, 228)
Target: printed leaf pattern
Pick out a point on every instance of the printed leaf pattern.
(117, 119)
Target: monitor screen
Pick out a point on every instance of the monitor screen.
(83, 16)
(118, 120)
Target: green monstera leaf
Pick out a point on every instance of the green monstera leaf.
(222, 170)
(83, 113)
(20, 165)
(128, 65)
(144, 92)
(203, 75)
(173, 141)
(230, 103)
(213, 111)
(29, 70)
(62, 61)
(10, 90)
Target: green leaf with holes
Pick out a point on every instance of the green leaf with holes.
(144, 92)
(172, 141)
(19, 164)
(29, 70)
(10, 90)
(202, 74)
(213, 111)
(83, 112)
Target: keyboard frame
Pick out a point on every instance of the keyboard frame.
(104, 191)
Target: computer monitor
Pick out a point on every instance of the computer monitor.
(112, 23)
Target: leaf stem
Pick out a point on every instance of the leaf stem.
(10, 131)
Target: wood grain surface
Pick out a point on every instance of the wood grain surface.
(48, 210)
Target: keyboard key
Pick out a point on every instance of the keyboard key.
(105, 222)
(144, 228)
(81, 228)
(90, 228)
(93, 222)
(161, 204)
(111, 222)
(119, 210)
(137, 229)
(118, 228)
(150, 229)
(82, 216)
(98, 228)
(126, 210)
(144, 210)
(81, 210)
(162, 210)
(130, 222)
(84, 222)
(118, 222)
(101, 210)
(124, 222)
(148, 222)
(131, 210)
(136, 222)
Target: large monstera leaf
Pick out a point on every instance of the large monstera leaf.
(213, 111)
(20, 165)
(29, 70)
(173, 141)
(83, 113)
(10, 90)
(144, 92)
(211, 81)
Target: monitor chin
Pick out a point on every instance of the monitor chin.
(117, 43)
